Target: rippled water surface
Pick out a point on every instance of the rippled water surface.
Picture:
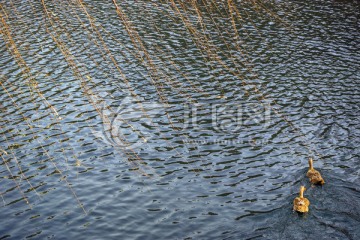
(151, 122)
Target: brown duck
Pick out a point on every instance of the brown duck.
(301, 204)
(314, 175)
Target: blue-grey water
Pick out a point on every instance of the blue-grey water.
(156, 121)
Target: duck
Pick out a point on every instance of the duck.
(301, 204)
(314, 175)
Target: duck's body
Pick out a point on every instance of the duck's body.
(314, 175)
(301, 204)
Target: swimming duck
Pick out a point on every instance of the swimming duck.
(314, 175)
(301, 204)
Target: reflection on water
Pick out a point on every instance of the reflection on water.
(163, 121)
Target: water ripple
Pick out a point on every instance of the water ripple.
(193, 177)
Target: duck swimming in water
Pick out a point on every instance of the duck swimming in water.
(314, 175)
(301, 204)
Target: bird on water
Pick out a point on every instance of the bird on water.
(314, 175)
(301, 204)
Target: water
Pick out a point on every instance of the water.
(205, 174)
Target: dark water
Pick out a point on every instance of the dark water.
(205, 174)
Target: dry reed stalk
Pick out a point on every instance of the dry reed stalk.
(56, 119)
(45, 151)
(33, 83)
(136, 39)
(94, 100)
(261, 97)
(14, 179)
(11, 45)
(22, 173)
